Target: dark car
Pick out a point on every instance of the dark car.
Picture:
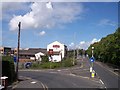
(27, 64)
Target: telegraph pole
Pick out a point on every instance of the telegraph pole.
(74, 50)
(19, 26)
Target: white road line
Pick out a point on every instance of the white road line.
(101, 81)
(43, 85)
(33, 82)
(58, 70)
(78, 76)
(72, 74)
(53, 72)
(46, 86)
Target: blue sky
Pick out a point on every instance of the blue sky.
(74, 24)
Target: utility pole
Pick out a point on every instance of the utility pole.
(19, 26)
(74, 50)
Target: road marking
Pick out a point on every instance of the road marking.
(53, 72)
(46, 86)
(101, 81)
(58, 70)
(103, 84)
(33, 82)
(78, 76)
(72, 74)
(43, 85)
(84, 77)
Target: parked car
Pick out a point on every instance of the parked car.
(27, 64)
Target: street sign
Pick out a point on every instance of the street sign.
(14, 59)
(92, 59)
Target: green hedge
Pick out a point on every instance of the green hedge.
(8, 68)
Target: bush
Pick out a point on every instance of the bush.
(45, 59)
(68, 62)
(8, 68)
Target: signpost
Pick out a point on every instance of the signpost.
(92, 59)
(15, 59)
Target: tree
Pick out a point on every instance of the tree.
(108, 49)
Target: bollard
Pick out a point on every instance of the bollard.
(93, 74)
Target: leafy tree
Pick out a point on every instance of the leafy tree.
(108, 49)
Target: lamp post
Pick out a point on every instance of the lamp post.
(92, 51)
(19, 26)
(92, 54)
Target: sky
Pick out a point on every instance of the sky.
(75, 24)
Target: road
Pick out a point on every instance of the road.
(75, 77)
(55, 80)
(107, 76)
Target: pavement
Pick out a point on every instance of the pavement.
(27, 83)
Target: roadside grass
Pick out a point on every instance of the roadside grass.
(68, 62)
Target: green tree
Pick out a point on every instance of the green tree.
(108, 49)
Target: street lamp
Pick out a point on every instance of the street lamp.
(92, 51)
(92, 55)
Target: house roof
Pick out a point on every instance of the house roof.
(32, 51)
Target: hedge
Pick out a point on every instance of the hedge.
(8, 68)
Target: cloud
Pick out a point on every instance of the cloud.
(85, 45)
(9, 8)
(71, 44)
(42, 33)
(82, 42)
(104, 22)
(60, 0)
(42, 17)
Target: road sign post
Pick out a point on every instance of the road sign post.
(91, 69)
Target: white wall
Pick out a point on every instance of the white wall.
(60, 49)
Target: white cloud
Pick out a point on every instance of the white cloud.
(82, 42)
(42, 33)
(42, 17)
(106, 22)
(71, 44)
(85, 45)
(95, 40)
(60, 0)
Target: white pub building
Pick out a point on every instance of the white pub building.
(57, 51)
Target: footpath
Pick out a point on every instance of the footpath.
(27, 83)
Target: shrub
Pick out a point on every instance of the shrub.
(67, 62)
(8, 68)
(45, 59)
